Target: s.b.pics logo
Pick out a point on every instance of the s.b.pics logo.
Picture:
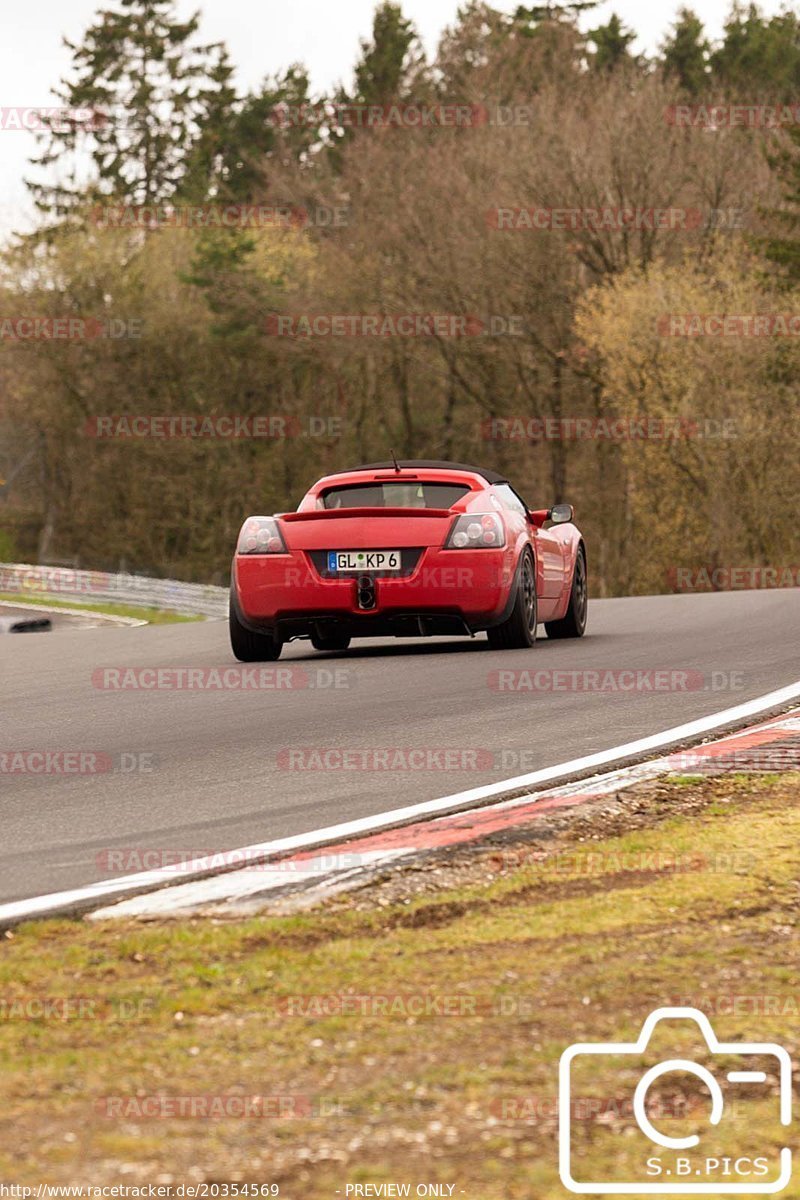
(707, 1121)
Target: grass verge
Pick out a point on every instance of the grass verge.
(684, 891)
(153, 616)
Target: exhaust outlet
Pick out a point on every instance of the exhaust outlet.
(365, 586)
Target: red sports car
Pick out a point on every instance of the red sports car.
(407, 549)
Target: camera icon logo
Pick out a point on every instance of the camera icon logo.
(657, 1163)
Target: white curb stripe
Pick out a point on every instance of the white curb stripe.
(236, 886)
(93, 894)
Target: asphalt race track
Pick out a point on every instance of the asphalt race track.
(199, 770)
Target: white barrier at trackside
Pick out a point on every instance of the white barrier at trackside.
(24, 580)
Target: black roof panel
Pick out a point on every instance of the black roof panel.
(432, 464)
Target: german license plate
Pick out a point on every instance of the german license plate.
(364, 560)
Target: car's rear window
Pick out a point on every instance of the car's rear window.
(394, 495)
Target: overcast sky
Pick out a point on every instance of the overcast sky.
(263, 36)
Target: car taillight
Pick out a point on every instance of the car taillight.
(476, 531)
(260, 535)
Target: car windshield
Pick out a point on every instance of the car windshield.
(394, 495)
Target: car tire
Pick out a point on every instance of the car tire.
(573, 623)
(330, 641)
(248, 646)
(518, 631)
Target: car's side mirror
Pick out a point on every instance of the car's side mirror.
(559, 514)
(538, 516)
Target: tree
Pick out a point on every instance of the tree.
(729, 440)
(551, 12)
(509, 58)
(781, 246)
(611, 41)
(759, 57)
(685, 52)
(147, 89)
(232, 157)
(390, 63)
(391, 68)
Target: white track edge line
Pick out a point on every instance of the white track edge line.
(112, 618)
(146, 880)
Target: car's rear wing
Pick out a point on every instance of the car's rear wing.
(327, 514)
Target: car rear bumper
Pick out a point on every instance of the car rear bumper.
(448, 592)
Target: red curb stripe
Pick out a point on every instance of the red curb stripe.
(756, 737)
(448, 831)
(459, 828)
